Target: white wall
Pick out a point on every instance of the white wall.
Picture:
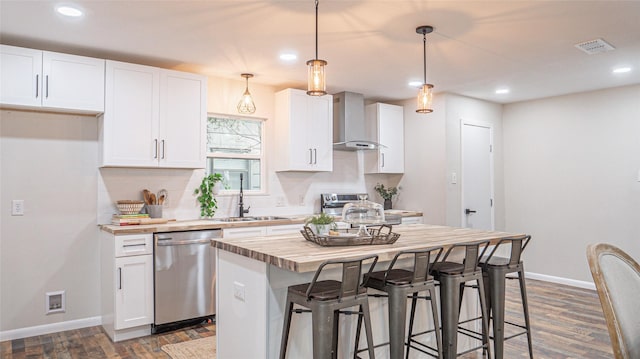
(49, 161)
(572, 177)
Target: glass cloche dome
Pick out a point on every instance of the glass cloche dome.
(362, 213)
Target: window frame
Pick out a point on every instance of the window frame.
(262, 157)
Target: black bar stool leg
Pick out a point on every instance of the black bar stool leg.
(414, 299)
(397, 321)
(364, 308)
(322, 318)
(497, 278)
(436, 326)
(285, 328)
(358, 331)
(485, 317)
(525, 308)
(450, 311)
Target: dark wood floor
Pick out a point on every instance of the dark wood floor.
(567, 322)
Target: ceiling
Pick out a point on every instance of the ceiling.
(371, 45)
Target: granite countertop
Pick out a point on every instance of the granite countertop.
(203, 224)
(292, 252)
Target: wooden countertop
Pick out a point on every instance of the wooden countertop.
(292, 252)
(202, 224)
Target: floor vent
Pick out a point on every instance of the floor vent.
(595, 46)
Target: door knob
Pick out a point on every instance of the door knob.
(468, 211)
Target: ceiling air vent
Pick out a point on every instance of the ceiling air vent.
(594, 46)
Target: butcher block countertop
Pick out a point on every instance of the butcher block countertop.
(203, 224)
(292, 252)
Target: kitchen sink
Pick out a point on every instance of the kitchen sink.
(248, 219)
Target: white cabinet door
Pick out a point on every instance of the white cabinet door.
(130, 125)
(183, 116)
(72, 82)
(20, 76)
(320, 131)
(134, 291)
(42, 79)
(244, 232)
(385, 123)
(304, 130)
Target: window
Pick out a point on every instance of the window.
(234, 148)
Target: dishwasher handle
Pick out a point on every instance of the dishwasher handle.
(169, 242)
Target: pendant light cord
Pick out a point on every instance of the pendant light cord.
(424, 58)
(316, 29)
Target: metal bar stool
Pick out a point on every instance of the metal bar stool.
(452, 277)
(324, 299)
(495, 270)
(400, 284)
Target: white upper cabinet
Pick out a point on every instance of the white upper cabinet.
(385, 124)
(49, 80)
(153, 118)
(304, 131)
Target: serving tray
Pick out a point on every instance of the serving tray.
(379, 235)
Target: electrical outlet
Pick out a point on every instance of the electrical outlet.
(238, 291)
(55, 302)
(301, 199)
(280, 201)
(17, 207)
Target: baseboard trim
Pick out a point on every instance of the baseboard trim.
(561, 280)
(49, 328)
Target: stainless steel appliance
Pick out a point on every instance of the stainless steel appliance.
(184, 278)
(333, 203)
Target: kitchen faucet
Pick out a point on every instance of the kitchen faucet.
(242, 211)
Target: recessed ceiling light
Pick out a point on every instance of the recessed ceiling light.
(68, 10)
(415, 83)
(502, 91)
(621, 70)
(288, 56)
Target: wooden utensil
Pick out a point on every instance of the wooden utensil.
(161, 199)
(147, 196)
(162, 194)
(152, 198)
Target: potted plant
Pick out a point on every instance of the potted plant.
(206, 192)
(321, 224)
(387, 194)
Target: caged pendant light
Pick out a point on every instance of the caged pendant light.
(425, 96)
(316, 84)
(246, 104)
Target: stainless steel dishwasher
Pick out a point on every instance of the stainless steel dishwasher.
(184, 278)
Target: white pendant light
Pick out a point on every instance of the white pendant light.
(316, 81)
(425, 96)
(246, 104)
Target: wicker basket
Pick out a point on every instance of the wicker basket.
(379, 235)
(129, 206)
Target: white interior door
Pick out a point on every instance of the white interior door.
(477, 176)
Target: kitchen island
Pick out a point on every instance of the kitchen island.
(253, 275)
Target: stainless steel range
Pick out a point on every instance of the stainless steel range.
(333, 203)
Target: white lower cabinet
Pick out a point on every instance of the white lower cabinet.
(127, 285)
(284, 229)
(243, 232)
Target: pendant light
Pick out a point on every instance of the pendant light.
(317, 85)
(425, 96)
(246, 104)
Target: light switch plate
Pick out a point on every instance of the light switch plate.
(454, 178)
(17, 207)
(238, 291)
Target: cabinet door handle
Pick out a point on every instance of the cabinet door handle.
(46, 80)
(156, 147)
(37, 85)
(163, 149)
(310, 156)
(382, 154)
(315, 156)
(119, 278)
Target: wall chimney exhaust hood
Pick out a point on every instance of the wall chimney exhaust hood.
(349, 127)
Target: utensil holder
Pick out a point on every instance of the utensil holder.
(154, 210)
